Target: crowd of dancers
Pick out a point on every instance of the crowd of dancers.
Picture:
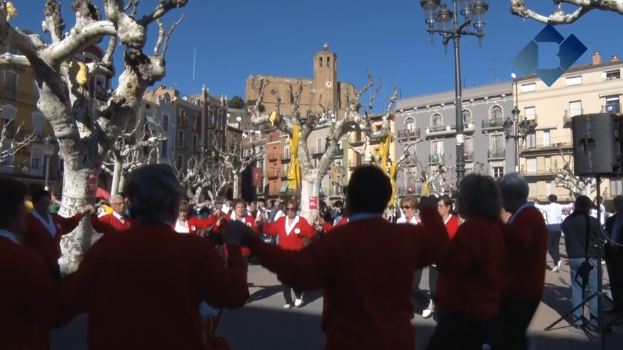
(164, 268)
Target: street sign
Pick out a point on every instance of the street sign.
(313, 202)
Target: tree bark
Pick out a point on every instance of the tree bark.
(116, 177)
(236, 185)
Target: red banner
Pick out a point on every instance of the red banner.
(313, 202)
(258, 176)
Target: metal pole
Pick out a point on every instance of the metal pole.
(460, 154)
(47, 172)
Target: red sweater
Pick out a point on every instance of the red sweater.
(470, 273)
(39, 239)
(195, 223)
(366, 271)
(110, 223)
(526, 239)
(295, 239)
(142, 289)
(249, 221)
(27, 297)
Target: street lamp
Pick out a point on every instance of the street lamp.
(445, 22)
(514, 128)
(48, 143)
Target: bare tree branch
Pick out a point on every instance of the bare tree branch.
(162, 8)
(12, 142)
(559, 16)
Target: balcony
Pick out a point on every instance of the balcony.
(435, 158)
(469, 156)
(551, 149)
(438, 130)
(496, 153)
(537, 172)
(409, 134)
(492, 124)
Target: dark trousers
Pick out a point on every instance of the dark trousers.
(287, 293)
(433, 276)
(514, 319)
(456, 332)
(614, 264)
(553, 244)
(56, 273)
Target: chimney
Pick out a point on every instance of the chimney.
(596, 59)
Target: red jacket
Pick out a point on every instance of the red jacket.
(39, 239)
(343, 221)
(295, 239)
(27, 297)
(470, 273)
(366, 271)
(142, 289)
(452, 226)
(195, 223)
(526, 239)
(109, 223)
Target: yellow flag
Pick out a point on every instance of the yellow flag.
(425, 188)
(384, 152)
(294, 171)
(11, 11)
(393, 169)
(274, 118)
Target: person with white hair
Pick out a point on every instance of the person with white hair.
(142, 289)
(523, 280)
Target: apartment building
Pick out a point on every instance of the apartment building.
(583, 89)
(426, 125)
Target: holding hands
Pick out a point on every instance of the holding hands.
(235, 232)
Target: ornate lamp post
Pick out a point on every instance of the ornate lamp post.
(445, 22)
(514, 128)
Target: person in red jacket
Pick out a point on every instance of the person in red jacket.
(27, 291)
(239, 214)
(469, 289)
(43, 230)
(365, 267)
(142, 289)
(444, 207)
(186, 225)
(524, 273)
(291, 230)
(117, 220)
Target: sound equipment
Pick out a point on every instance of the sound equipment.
(597, 144)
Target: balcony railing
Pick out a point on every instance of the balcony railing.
(441, 129)
(409, 133)
(538, 172)
(469, 155)
(496, 153)
(435, 158)
(551, 146)
(495, 123)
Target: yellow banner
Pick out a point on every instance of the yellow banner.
(294, 171)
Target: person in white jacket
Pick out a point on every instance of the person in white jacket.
(553, 213)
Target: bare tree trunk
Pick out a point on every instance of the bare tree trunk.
(197, 195)
(116, 177)
(236, 185)
(75, 196)
(310, 187)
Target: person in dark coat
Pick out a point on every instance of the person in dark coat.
(581, 252)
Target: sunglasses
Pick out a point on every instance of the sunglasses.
(406, 207)
(292, 209)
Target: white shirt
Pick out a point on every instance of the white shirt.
(602, 214)
(553, 212)
(403, 220)
(181, 227)
(290, 224)
(119, 217)
(9, 235)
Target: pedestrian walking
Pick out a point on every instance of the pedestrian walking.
(553, 213)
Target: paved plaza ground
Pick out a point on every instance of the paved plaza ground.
(264, 324)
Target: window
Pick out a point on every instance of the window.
(165, 123)
(577, 80)
(36, 159)
(181, 118)
(436, 120)
(10, 81)
(180, 139)
(547, 141)
(410, 125)
(531, 165)
(221, 120)
(210, 139)
(497, 171)
(195, 142)
(286, 151)
(496, 143)
(531, 140)
(211, 117)
(468, 149)
(529, 113)
(219, 140)
(575, 108)
(179, 162)
(613, 74)
(530, 87)
(328, 62)
(496, 113)
(437, 150)
(467, 117)
(548, 165)
(8, 114)
(612, 104)
(319, 61)
(195, 121)
(37, 122)
(164, 149)
(319, 145)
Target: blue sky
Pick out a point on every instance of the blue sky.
(237, 38)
